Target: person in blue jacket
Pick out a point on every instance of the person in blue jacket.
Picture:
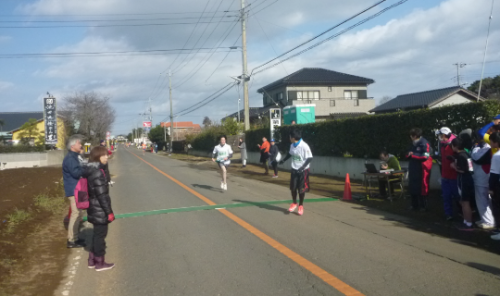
(73, 170)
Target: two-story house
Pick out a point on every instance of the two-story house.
(336, 95)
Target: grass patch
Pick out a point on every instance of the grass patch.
(50, 204)
(16, 218)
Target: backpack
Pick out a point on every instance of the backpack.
(82, 193)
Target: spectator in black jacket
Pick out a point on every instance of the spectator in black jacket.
(106, 167)
(99, 212)
(273, 153)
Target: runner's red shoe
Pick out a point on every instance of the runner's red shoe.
(292, 207)
(301, 210)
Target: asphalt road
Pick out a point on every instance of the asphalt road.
(339, 248)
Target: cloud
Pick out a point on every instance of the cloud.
(4, 85)
(408, 53)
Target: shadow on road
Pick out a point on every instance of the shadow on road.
(486, 268)
(264, 206)
(207, 187)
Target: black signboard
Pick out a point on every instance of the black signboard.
(50, 118)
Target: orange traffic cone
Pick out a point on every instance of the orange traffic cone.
(347, 188)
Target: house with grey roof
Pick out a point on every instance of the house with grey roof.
(335, 94)
(428, 99)
(14, 120)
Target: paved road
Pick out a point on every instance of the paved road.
(338, 248)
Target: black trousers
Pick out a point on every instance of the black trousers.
(99, 242)
(495, 206)
(382, 186)
(275, 167)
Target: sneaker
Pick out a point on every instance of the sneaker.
(495, 237)
(292, 207)
(301, 210)
(222, 185)
(485, 226)
(101, 265)
(465, 227)
(275, 176)
(225, 186)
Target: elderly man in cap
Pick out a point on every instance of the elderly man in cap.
(449, 186)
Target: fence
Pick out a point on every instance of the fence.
(32, 159)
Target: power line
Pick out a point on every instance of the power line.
(201, 35)
(222, 61)
(112, 20)
(207, 100)
(112, 14)
(107, 26)
(189, 38)
(72, 54)
(327, 39)
(197, 67)
(321, 34)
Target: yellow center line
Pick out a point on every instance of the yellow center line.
(311, 267)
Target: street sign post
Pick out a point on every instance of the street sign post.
(50, 119)
(275, 121)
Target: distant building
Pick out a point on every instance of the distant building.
(428, 99)
(11, 130)
(181, 129)
(335, 94)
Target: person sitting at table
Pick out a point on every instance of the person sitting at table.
(389, 162)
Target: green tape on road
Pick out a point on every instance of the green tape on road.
(215, 207)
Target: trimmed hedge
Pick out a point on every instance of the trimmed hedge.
(208, 139)
(21, 149)
(178, 146)
(368, 135)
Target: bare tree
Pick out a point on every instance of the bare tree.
(207, 122)
(384, 100)
(91, 114)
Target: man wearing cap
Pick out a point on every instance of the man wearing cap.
(273, 155)
(449, 185)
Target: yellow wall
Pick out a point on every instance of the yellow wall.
(61, 133)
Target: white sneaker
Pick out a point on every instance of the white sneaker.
(485, 226)
(221, 185)
(495, 237)
(225, 186)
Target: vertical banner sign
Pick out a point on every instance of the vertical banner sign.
(275, 120)
(50, 119)
(108, 135)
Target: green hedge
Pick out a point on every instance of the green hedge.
(208, 139)
(21, 149)
(366, 136)
(178, 146)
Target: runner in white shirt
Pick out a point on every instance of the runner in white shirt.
(222, 153)
(301, 158)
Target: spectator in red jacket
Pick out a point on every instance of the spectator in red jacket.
(264, 154)
(449, 185)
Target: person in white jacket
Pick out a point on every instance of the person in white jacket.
(222, 155)
(481, 162)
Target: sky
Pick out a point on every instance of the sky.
(133, 44)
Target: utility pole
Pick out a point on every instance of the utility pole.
(150, 113)
(244, 77)
(459, 66)
(171, 110)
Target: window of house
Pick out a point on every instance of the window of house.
(356, 102)
(332, 103)
(299, 95)
(330, 89)
(281, 96)
(350, 94)
(308, 95)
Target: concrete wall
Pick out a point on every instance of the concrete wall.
(29, 160)
(340, 166)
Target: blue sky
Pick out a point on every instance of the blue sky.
(410, 48)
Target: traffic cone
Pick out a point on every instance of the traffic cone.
(347, 189)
